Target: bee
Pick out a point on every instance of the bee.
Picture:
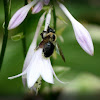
(49, 43)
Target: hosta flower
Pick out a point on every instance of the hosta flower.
(21, 14)
(47, 22)
(36, 65)
(82, 35)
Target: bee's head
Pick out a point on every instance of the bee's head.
(46, 33)
(50, 30)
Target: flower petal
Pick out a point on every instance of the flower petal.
(20, 15)
(47, 22)
(46, 71)
(32, 75)
(24, 80)
(38, 7)
(33, 70)
(56, 75)
(82, 35)
(23, 73)
(38, 66)
(46, 2)
(33, 44)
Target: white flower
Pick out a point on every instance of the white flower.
(39, 66)
(21, 14)
(32, 47)
(36, 64)
(48, 19)
(82, 35)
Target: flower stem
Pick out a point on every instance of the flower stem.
(24, 32)
(54, 16)
(5, 36)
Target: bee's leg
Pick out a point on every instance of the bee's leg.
(37, 48)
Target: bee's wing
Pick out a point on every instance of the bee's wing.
(59, 51)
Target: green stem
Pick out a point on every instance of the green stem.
(54, 16)
(24, 32)
(5, 36)
(24, 45)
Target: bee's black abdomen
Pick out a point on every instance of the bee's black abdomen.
(48, 49)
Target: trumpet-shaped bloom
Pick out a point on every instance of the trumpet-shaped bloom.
(82, 35)
(36, 64)
(32, 47)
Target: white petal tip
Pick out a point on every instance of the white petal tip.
(30, 85)
(51, 81)
(23, 73)
(10, 78)
(10, 28)
(91, 54)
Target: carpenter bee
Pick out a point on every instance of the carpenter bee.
(49, 43)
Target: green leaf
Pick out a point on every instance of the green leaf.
(17, 37)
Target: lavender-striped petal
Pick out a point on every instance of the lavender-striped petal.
(20, 15)
(82, 35)
(38, 7)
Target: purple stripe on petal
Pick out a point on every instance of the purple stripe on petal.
(38, 7)
(82, 35)
(18, 18)
(83, 38)
(20, 15)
